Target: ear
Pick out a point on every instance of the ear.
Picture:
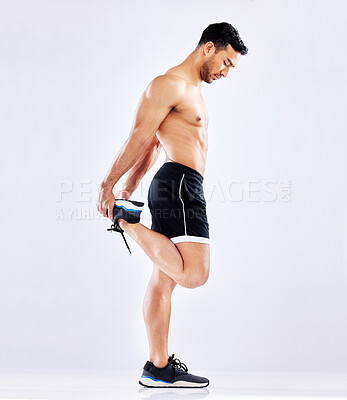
(209, 48)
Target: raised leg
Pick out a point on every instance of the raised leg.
(186, 263)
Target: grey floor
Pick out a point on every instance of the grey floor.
(114, 385)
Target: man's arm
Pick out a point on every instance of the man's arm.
(161, 95)
(139, 170)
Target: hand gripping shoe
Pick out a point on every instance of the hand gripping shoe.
(174, 374)
(129, 210)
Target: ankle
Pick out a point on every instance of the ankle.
(159, 362)
(122, 223)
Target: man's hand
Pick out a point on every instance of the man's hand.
(123, 194)
(106, 202)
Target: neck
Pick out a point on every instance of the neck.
(191, 67)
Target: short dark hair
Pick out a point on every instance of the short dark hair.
(222, 34)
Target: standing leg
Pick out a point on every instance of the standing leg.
(156, 313)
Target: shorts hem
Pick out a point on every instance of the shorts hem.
(188, 238)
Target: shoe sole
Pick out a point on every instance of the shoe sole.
(150, 382)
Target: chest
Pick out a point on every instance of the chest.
(193, 110)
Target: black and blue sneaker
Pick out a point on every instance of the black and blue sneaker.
(174, 374)
(129, 210)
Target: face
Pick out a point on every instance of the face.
(216, 65)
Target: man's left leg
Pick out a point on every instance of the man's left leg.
(161, 370)
(156, 313)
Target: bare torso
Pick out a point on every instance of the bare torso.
(183, 133)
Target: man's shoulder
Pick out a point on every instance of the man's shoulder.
(168, 77)
(167, 82)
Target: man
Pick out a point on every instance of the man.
(172, 115)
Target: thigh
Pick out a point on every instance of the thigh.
(196, 257)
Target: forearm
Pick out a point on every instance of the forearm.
(126, 158)
(142, 166)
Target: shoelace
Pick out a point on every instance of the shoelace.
(112, 228)
(176, 363)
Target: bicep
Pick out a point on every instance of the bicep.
(161, 95)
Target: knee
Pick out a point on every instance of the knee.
(196, 281)
(161, 290)
(155, 298)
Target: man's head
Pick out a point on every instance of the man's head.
(221, 48)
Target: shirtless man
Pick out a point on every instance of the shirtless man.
(172, 115)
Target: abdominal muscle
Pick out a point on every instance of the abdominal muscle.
(190, 157)
(195, 165)
(185, 146)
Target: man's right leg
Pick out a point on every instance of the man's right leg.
(186, 263)
(156, 313)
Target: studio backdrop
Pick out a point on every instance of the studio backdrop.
(72, 73)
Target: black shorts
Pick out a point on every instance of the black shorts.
(177, 204)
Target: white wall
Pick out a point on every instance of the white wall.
(71, 295)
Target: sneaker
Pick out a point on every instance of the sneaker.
(174, 374)
(129, 210)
